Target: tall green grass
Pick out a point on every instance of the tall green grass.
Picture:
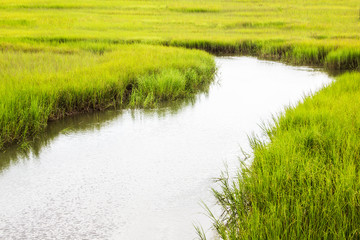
(304, 183)
(36, 87)
(60, 57)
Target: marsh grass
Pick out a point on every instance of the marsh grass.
(42, 86)
(307, 32)
(62, 57)
(304, 182)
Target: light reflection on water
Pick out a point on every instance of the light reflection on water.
(140, 174)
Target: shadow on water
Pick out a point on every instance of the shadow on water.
(86, 122)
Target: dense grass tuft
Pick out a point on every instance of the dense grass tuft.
(343, 59)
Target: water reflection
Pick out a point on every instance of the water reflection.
(140, 174)
(90, 122)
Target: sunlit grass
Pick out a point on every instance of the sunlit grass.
(39, 86)
(60, 57)
(301, 32)
(304, 183)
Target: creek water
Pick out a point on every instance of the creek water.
(141, 174)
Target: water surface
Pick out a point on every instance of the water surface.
(140, 174)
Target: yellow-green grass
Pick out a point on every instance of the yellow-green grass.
(304, 183)
(60, 56)
(39, 86)
(325, 33)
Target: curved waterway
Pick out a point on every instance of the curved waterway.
(141, 174)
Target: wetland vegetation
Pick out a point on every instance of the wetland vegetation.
(58, 58)
(40, 86)
(303, 182)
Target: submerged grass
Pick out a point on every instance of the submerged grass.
(41, 86)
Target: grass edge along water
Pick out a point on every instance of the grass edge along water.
(319, 33)
(303, 183)
(141, 76)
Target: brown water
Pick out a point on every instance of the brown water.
(140, 174)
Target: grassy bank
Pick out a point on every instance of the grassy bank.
(84, 40)
(45, 85)
(304, 183)
(60, 57)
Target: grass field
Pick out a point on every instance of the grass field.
(62, 57)
(304, 32)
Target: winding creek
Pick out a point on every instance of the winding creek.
(141, 174)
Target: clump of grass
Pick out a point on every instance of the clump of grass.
(15, 23)
(194, 9)
(37, 87)
(167, 85)
(343, 59)
(304, 182)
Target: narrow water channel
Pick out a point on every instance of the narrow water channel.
(141, 174)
